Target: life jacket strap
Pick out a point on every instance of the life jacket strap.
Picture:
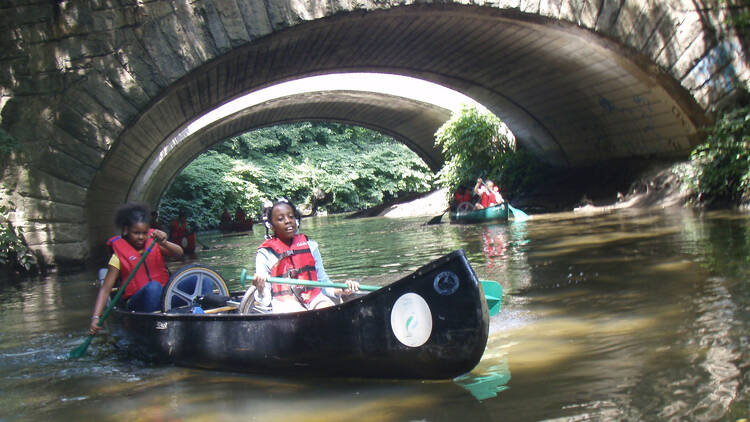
(294, 272)
(291, 252)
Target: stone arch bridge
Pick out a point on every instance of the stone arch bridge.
(97, 93)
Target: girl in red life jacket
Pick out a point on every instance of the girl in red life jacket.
(143, 293)
(489, 194)
(291, 254)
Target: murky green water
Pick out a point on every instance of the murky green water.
(636, 315)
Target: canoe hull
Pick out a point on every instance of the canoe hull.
(377, 335)
(496, 213)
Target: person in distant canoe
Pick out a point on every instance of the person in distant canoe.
(498, 197)
(225, 223)
(143, 293)
(290, 254)
(488, 195)
(462, 195)
(155, 224)
(190, 236)
(177, 228)
(182, 234)
(240, 220)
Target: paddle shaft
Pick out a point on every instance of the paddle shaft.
(77, 352)
(493, 296)
(297, 282)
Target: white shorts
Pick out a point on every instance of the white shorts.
(286, 306)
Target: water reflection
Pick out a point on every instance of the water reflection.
(494, 246)
(487, 381)
(635, 315)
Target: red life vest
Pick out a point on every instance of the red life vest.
(460, 197)
(295, 261)
(486, 200)
(492, 199)
(153, 268)
(177, 230)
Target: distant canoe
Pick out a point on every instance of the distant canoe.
(432, 324)
(496, 213)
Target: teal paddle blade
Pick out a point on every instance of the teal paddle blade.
(80, 350)
(243, 277)
(493, 293)
(518, 215)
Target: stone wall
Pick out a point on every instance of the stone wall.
(82, 84)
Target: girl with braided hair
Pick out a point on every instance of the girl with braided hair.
(290, 254)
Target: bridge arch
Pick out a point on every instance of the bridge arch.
(416, 126)
(578, 82)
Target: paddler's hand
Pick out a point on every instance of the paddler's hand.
(352, 286)
(94, 327)
(259, 281)
(160, 237)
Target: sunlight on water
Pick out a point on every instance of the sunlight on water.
(630, 315)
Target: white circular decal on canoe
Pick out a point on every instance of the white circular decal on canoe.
(411, 320)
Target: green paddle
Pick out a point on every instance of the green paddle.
(518, 215)
(436, 219)
(80, 350)
(493, 294)
(493, 291)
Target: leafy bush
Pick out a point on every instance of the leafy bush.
(471, 144)
(519, 171)
(14, 252)
(722, 163)
(477, 144)
(8, 143)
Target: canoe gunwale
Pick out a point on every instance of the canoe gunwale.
(498, 212)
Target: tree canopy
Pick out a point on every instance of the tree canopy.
(327, 166)
(721, 165)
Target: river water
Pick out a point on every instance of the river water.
(635, 315)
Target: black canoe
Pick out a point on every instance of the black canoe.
(432, 324)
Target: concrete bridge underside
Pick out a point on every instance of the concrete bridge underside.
(96, 100)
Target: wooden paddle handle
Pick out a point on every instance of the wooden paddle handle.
(222, 309)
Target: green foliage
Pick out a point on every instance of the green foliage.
(477, 144)
(209, 184)
(354, 167)
(519, 171)
(722, 163)
(8, 143)
(738, 13)
(14, 251)
(740, 20)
